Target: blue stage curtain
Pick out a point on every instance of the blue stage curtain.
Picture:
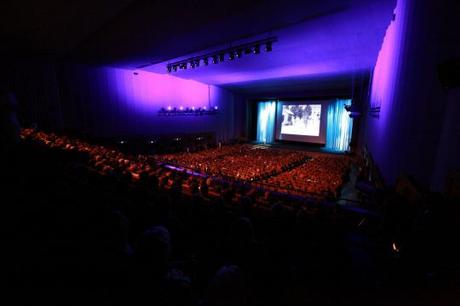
(266, 112)
(339, 126)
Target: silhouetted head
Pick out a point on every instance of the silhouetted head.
(227, 287)
(154, 249)
(242, 232)
(9, 124)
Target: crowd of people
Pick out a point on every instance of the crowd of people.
(265, 169)
(323, 174)
(240, 162)
(82, 225)
(85, 222)
(276, 170)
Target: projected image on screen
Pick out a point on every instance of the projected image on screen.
(302, 120)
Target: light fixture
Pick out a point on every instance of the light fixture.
(188, 111)
(239, 53)
(268, 46)
(353, 110)
(234, 52)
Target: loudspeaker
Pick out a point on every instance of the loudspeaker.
(449, 73)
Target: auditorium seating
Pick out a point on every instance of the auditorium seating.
(323, 174)
(139, 233)
(140, 245)
(272, 170)
(238, 162)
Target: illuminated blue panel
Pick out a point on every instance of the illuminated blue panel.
(339, 126)
(266, 121)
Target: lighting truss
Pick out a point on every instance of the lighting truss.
(233, 53)
(188, 111)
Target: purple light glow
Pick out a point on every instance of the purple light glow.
(343, 42)
(151, 91)
(386, 71)
(385, 88)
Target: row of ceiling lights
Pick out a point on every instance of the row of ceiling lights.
(220, 56)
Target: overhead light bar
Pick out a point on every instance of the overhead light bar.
(188, 111)
(234, 52)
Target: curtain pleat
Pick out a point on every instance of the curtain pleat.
(339, 126)
(266, 112)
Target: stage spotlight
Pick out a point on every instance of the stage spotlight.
(231, 53)
(239, 53)
(186, 111)
(268, 46)
(353, 110)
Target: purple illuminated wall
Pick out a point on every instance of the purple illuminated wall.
(385, 81)
(406, 135)
(116, 102)
(135, 100)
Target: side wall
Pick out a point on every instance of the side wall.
(115, 102)
(410, 135)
